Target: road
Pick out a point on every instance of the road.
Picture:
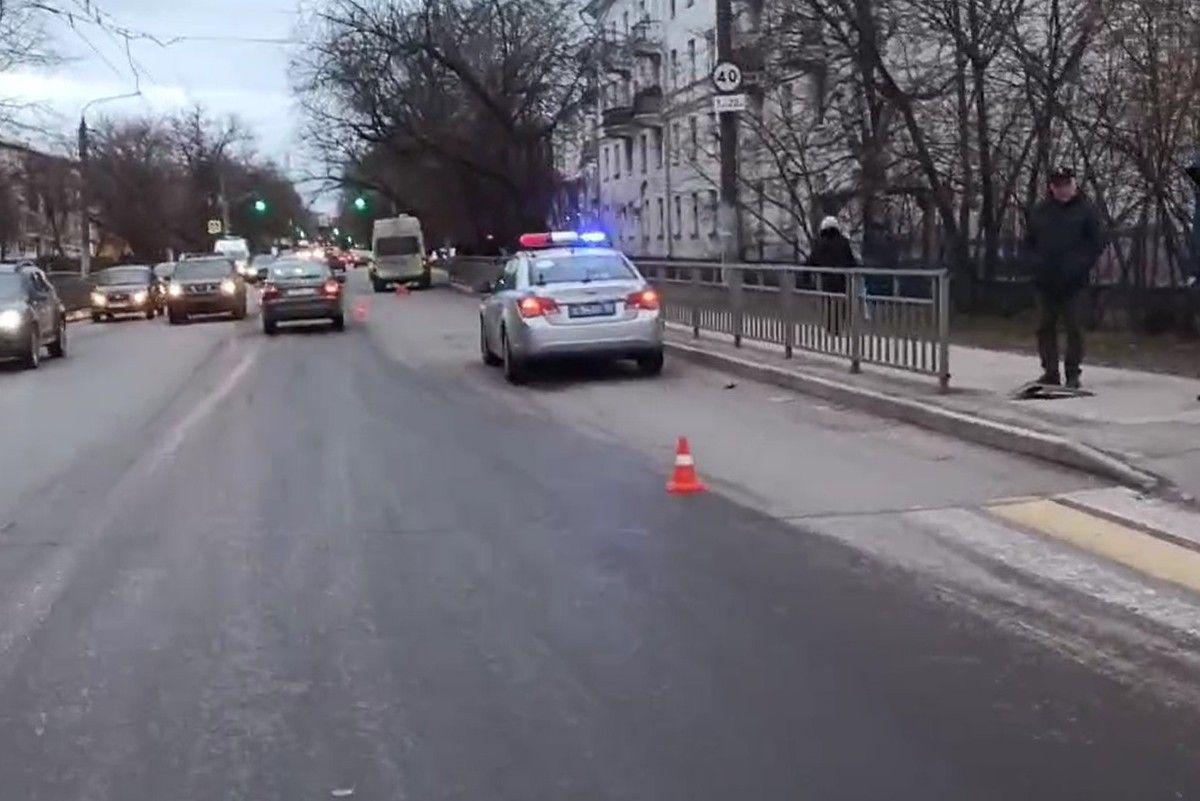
(360, 565)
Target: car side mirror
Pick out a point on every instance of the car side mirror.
(485, 287)
(261, 273)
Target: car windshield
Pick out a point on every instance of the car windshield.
(202, 268)
(232, 247)
(10, 286)
(123, 275)
(580, 267)
(164, 269)
(288, 269)
(397, 246)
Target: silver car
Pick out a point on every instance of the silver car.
(570, 302)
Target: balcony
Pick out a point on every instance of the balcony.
(618, 121)
(648, 106)
(646, 38)
(615, 57)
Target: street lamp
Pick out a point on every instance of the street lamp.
(85, 217)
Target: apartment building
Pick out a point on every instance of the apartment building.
(39, 203)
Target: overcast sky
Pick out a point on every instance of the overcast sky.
(244, 78)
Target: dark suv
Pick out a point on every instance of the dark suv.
(205, 286)
(31, 315)
(128, 289)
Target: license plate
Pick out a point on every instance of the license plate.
(301, 293)
(591, 309)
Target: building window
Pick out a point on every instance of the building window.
(605, 173)
(626, 21)
(710, 51)
(678, 215)
(674, 68)
(645, 221)
(658, 148)
(713, 207)
(694, 138)
(629, 157)
(695, 215)
(672, 9)
(616, 161)
(662, 223)
(675, 142)
(691, 58)
(645, 155)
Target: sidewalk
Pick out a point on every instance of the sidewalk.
(1138, 423)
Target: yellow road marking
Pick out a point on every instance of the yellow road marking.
(1128, 546)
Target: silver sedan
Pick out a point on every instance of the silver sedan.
(570, 302)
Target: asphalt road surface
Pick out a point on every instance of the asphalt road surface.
(359, 565)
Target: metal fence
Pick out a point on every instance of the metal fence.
(894, 318)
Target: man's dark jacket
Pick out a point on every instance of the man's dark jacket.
(1063, 243)
(832, 249)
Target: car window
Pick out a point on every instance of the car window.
(123, 275)
(508, 277)
(285, 269)
(202, 268)
(571, 267)
(397, 246)
(11, 286)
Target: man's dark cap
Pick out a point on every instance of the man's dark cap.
(1062, 172)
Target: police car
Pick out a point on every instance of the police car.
(567, 294)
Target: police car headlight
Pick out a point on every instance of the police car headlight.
(228, 287)
(174, 290)
(99, 299)
(139, 297)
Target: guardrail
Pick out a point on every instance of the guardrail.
(471, 270)
(893, 318)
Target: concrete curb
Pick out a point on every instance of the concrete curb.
(1002, 436)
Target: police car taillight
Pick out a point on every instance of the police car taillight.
(646, 299)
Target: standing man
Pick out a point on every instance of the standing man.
(1064, 241)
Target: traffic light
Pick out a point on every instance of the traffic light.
(337, 231)
(360, 203)
(260, 206)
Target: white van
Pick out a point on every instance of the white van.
(398, 253)
(235, 248)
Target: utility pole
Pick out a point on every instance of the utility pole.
(85, 222)
(224, 201)
(728, 222)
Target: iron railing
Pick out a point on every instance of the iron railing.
(893, 318)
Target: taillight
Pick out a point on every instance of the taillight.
(535, 306)
(331, 287)
(269, 291)
(646, 299)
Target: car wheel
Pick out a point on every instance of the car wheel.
(149, 314)
(651, 363)
(269, 327)
(489, 358)
(514, 371)
(425, 281)
(33, 353)
(239, 311)
(377, 285)
(176, 317)
(339, 323)
(58, 348)
(96, 317)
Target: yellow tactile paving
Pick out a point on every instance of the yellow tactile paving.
(1128, 546)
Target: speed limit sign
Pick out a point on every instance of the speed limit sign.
(727, 77)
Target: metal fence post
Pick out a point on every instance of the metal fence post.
(737, 302)
(787, 300)
(854, 297)
(943, 312)
(694, 278)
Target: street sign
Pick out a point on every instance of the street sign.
(724, 103)
(727, 77)
(214, 227)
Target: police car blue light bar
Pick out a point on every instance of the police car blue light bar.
(562, 238)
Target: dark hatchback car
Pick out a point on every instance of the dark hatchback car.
(300, 289)
(128, 289)
(31, 315)
(205, 286)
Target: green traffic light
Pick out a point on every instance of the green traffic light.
(260, 206)
(360, 203)
(337, 231)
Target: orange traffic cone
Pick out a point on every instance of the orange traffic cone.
(683, 479)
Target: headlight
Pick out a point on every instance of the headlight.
(228, 286)
(10, 320)
(174, 290)
(99, 299)
(139, 297)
